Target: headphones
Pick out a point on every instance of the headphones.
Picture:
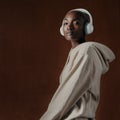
(88, 27)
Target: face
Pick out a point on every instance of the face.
(73, 26)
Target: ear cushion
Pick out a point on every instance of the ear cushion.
(89, 28)
(61, 31)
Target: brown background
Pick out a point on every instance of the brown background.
(33, 53)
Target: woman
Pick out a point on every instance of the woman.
(78, 94)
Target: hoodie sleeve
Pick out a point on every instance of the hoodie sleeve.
(75, 84)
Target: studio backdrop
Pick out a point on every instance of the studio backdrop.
(33, 53)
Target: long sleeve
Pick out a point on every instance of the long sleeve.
(74, 84)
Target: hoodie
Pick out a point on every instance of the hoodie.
(78, 93)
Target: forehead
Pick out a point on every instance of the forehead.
(73, 15)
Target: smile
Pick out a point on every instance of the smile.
(70, 33)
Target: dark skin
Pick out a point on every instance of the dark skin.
(73, 28)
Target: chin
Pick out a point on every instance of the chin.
(69, 38)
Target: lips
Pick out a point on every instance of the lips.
(69, 33)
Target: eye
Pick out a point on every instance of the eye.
(65, 23)
(77, 22)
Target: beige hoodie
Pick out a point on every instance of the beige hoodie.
(78, 93)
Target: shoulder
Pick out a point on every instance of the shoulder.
(90, 46)
(84, 50)
(98, 50)
(86, 47)
(94, 49)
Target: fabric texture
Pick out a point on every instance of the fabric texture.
(78, 93)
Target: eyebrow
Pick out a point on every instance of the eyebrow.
(65, 19)
(73, 19)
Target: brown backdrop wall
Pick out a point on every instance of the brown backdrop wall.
(33, 53)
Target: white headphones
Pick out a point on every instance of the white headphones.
(88, 27)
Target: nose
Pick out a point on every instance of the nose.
(70, 27)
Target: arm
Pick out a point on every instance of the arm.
(76, 82)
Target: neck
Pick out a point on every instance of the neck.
(77, 42)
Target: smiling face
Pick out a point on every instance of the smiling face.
(73, 26)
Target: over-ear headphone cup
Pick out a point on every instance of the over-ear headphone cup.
(61, 31)
(88, 28)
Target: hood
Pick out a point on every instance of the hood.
(105, 54)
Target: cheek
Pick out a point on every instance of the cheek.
(64, 29)
(78, 27)
(79, 30)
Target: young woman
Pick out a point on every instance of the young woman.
(78, 94)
